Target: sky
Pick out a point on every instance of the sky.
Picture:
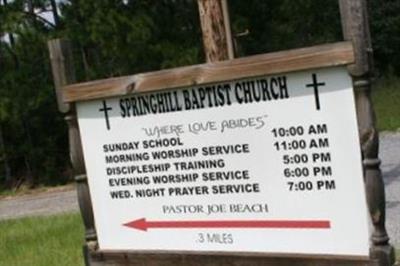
(46, 15)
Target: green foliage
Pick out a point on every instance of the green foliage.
(386, 99)
(34, 134)
(283, 24)
(385, 31)
(118, 39)
(114, 38)
(40, 241)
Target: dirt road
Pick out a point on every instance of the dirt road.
(45, 203)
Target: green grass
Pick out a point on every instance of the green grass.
(397, 254)
(42, 241)
(386, 99)
(46, 241)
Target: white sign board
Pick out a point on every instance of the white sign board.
(269, 164)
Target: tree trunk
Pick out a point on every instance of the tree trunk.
(10, 35)
(30, 176)
(30, 6)
(31, 12)
(85, 61)
(55, 13)
(12, 43)
(217, 44)
(4, 157)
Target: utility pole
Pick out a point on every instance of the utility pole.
(215, 26)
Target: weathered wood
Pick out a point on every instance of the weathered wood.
(63, 72)
(265, 64)
(62, 67)
(214, 30)
(82, 187)
(215, 259)
(356, 29)
(228, 31)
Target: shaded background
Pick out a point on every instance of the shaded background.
(115, 37)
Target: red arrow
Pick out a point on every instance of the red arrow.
(142, 224)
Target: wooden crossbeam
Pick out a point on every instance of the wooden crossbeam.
(320, 56)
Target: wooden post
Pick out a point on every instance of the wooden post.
(63, 74)
(214, 19)
(228, 31)
(63, 69)
(355, 28)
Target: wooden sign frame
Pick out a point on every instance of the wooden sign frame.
(355, 29)
(321, 56)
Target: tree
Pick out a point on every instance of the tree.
(27, 96)
(282, 24)
(120, 37)
(385, 31)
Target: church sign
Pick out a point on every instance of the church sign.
(254, 155)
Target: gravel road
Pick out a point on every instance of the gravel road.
(65, 201)
(45, 203)
(390, 156)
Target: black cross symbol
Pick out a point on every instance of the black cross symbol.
(315, 85)
(105, 109)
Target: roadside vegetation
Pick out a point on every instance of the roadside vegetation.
(386, 99)
(397, 257)
(42, 241)
(114, 38)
